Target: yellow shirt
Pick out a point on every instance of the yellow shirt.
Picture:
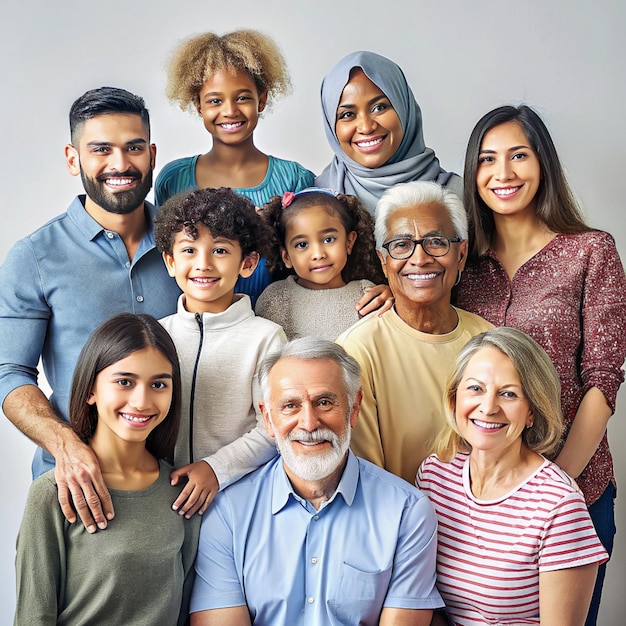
(403, 374)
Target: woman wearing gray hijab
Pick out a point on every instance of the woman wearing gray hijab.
(374, 126)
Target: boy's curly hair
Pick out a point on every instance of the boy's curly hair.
(224, 212)
(362, 262)
(198, 57)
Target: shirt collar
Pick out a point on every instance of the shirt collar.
(91, 228)
(282, 488)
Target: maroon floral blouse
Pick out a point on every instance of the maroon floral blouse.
(571, 298)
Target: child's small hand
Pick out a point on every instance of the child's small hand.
(377, 298)
(198, 493)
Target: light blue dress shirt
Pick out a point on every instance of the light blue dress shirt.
(57, 285)
(372, 545)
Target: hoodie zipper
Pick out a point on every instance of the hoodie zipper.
(198, 317)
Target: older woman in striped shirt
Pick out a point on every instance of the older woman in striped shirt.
(516, 543)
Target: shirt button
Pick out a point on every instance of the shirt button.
(310, 600)
(316, 517)
(127, 264)
(314, 560)
(139, 298)
(110, 235)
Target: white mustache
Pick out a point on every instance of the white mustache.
(316, 436)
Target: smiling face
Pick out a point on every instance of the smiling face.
(230, 105)
(317, 247)
(422, 280)
(491, 408)
(308, 415)
(207, 268)
(132, 396)
(114, 159)
(367, 126)
(509, 173)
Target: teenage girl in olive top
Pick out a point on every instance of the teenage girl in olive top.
(125, 403)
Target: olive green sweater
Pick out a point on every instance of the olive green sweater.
(139, 571)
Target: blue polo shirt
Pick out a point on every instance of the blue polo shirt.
(57, 285)
(372, 545)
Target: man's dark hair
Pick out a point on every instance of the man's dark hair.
(103, 101)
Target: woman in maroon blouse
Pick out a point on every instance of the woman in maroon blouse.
(535, 265)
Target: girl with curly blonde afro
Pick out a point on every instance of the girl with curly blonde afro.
(229, 80)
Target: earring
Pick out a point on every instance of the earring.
(458, 278)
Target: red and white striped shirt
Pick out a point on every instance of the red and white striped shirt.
(490, 552)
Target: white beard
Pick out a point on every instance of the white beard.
(318, 465)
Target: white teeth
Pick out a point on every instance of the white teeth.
(369, 143)
(204, 281)
(119, 181)
(429, 276)
(490, 425)
(231, 126)
(135, 418)
(509, 191)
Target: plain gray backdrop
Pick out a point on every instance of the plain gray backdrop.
(461, 58)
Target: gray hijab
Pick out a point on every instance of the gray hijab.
(412, 160)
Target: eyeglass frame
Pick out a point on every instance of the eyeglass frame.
(420, 242)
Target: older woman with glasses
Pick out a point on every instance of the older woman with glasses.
(405, 353)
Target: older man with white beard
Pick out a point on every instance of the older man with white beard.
(316, 536)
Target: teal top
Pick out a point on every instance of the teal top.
(180, 175)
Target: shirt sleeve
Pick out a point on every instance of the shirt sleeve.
(24, 318)
(366, 440)
(176, 177)
(305, 178)
(569, 538)
(218, 584)
(412, 584)
(603, 319)
(161, 193)
(40, 559)
(190, 548)
(254, 448)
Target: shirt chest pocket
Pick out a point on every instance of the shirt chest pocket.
(359, 595)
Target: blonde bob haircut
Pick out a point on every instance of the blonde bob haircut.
(540, 384)
(196, 59)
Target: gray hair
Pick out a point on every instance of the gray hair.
(540, 384)
(416, 194)
(312, 349)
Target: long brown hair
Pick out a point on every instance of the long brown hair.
(556, 205)
(111, 342)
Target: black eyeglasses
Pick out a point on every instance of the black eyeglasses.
(401, 249)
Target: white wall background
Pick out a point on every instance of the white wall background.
(462, 59)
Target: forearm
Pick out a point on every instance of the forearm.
(405, 617)
(587, 430)
(30, 411)
(242, 456)
(232, 616)
(81, 488)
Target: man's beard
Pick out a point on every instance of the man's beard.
(122, 202)
(314, 466)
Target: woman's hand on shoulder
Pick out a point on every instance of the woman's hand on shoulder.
(377, 298)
